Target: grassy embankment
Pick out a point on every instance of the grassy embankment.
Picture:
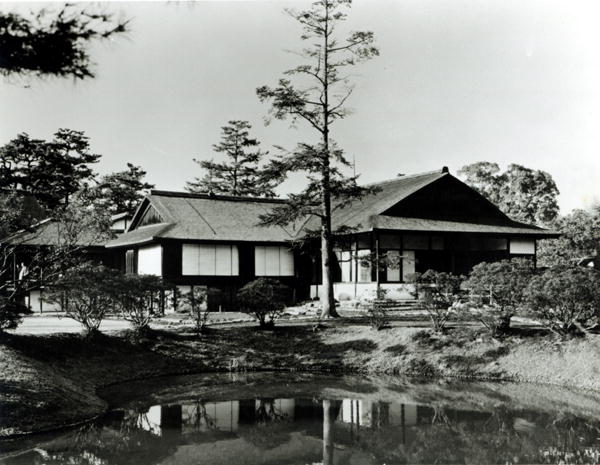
(52, 381)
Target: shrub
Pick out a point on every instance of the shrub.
(564, 298)
(12, 311)
(496, 291)
(377, 310)
(264, 298)
(137, 296)
(437, 291)
(196, 302)
(85, 293)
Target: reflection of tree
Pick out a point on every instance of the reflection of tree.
(444, 435)
(327, 433)
(201, 418)
(267, 431)
(127, 441)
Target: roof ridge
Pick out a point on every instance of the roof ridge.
(208, 196)
(443, 171)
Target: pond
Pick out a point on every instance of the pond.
(304, 419)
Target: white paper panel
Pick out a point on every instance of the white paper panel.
(522, 246)
(223, 266)
(235, 261)
(286, 262)
(393, 272)
(189, 259)
(272, 255)
(364, 269)
(408, 263)
(207, 257)
(260, 260)
(150, 260)
(346, 266)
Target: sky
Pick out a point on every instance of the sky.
(457, 81)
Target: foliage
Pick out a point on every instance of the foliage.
(18, 212)
(85, 293)
(12, 310)
(52, 43)
(137, 298)
(377, 310)
(438, 291)
(522, 193)
(496, 291)
(241, 174)
(264, 298)
(316, 92)
(564, 298)
(580, 237)
(195, 300)
(51, 171)
(122, 191)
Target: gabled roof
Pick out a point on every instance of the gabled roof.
(188, 216)
(358, 214)
(51, 232)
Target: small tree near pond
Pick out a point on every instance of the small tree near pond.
(137, 297)
(565, 298)
(437, 291)
(85, 292)
(195, 301)
(264, 298)
(496, 291)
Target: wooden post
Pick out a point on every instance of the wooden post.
(377, 263)
(355, 266)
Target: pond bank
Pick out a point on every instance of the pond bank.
(52, 381)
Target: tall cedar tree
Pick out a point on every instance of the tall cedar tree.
(122, 191)
(51, 43)
(241, 175)
(51, 171)
(522, 193)
(318, 97)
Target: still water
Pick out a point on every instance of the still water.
(301, 419)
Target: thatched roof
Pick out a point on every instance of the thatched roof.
(186, 216)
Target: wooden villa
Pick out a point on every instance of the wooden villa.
(427, 221)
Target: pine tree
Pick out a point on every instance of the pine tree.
(122, 191)
(51, 171)
(241, 174)
(319, 102)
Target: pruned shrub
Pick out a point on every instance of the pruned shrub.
(85, 293)
(264, 298)
(564, 299)
(137, 298)
(496, 291)
(437, 292)
(196, 302)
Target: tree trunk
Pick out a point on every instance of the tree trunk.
(327, 434)
(327, 300)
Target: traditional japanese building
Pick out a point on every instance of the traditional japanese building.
(425, 221)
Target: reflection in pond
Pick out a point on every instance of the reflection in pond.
(326, 427)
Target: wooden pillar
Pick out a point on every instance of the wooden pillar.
(377, 280)
(355, 265)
